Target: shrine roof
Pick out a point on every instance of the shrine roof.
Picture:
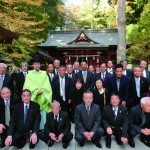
(81, 38)
(7, 36)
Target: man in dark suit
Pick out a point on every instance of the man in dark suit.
(126, 72)
(110, 67)
(115, 121)
(6, 107)
(20, 78)
(145, 73)
(57, 127)
(56, 64)
(76, 67)
(139, 122)
(86, 76)
(24, 122)
(138, 87)
(103, 74)
(70, 73)
(61, 87)
(5, 79)
(118, 84)
(50, 72)
(87, 121)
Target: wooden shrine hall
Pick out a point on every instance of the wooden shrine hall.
(93, 46)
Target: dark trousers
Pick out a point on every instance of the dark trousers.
(79, 137)
(133, 133)
(20, 140)
(64, 106)
(116, 133)
(66, 139)
(4, 135)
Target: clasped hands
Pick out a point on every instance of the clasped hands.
(54, 138)
(88, 135)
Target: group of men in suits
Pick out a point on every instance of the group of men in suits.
(128, 91)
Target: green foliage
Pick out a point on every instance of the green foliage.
(32, 19)
(139, 35)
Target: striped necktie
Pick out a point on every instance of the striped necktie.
(7, 114)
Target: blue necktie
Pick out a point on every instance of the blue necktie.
(25, 112)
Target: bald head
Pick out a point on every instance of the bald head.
(5, 93)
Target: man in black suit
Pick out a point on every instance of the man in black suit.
(70, 73)
(86, 76)
(50, 72)
(139, 122)
(103, 74)
(138, 87)
(110, 67)
(5, 79)
(118, 84)
(115, 121)
(24, 122)
(6, 107)
(20, 78)
(87, 121)
(126, 72)
(145, 73)
(61, 87)
(56, 64)
(57, 127)
(76, 67)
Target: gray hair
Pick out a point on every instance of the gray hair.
(4, 65)
(6, 89)
(24, 63)
(137, 67)
(144, 100)
(87, 92)
(123, 61)
(56, 60)
(55, 103)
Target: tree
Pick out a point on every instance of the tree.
(121, 48)
(32, 19)
(139, 35)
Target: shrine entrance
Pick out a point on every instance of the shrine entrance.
(92, 46)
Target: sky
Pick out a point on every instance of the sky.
(77, 2)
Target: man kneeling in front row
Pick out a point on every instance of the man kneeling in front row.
(57, 127)
(24, 123)
(87, 121)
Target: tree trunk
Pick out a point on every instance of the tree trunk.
(121, 49)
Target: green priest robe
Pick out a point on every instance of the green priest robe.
(35, 81)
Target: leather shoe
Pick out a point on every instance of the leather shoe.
(51, 143)
(31, 146)
(65, 145)
(81, 143)
(131, 143)
(108, 145)
(145, 142)
(98, 145)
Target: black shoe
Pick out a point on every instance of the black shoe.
(65, 145)
(145, 142)
(131, 143)
(98, 145)
(81, 143)
(51, 143)
(108, 144)
(2, 145)
(20, 146)
(31, 146)
(119, 142)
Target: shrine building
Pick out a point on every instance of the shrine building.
(93, 46)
